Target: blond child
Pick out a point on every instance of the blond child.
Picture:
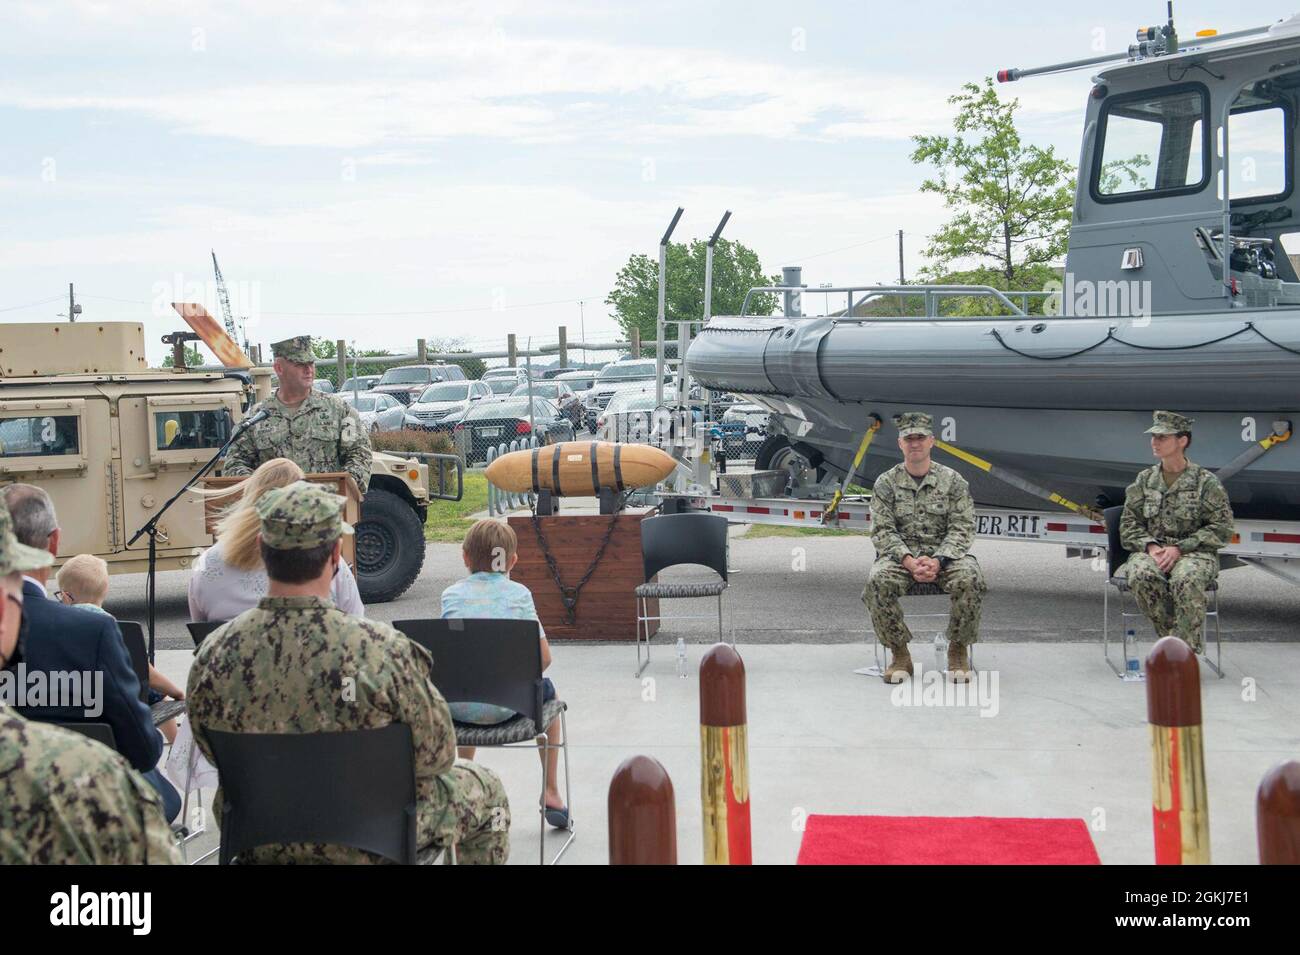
(83, 583)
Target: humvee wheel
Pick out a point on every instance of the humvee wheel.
(390, 547)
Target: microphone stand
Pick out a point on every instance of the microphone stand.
(151, 526)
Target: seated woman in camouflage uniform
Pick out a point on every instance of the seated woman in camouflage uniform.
(1176, 519)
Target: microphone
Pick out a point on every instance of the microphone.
(253, 419)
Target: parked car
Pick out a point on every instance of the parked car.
(614, 377)
(378, 411)
(579, 381)
(501, 387)
(409, 381)
(442, 405)
(561, 394)
(632, 415)
(744, 428)
(518, 373)
(323, 385)
(492, 423)
(360, 383)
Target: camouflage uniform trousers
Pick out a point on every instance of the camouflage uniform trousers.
(1176, 603)
(962, 579)
(476, 815)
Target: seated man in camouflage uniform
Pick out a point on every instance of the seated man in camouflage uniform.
(318, 432)
(297, 664)
(1176, 519)
(923, 524)
(64, 799)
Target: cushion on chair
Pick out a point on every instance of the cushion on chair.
(923, 590)
(165, 710)
(520, 729)
(704, 589)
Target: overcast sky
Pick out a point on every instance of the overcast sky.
(385, 171)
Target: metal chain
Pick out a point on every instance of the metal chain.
(569, 595)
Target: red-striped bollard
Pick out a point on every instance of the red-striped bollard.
(724, 758)
(642, 814)
(1277, 815)
(1179, 809)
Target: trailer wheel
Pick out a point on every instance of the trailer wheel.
(390, 547)
(777, 454)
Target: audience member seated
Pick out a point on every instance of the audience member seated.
(229, 578)
(297, 664)
(64, 799)
(83, 583)
(60, 639)
(490, 552)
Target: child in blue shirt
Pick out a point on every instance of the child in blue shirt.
(490, 553)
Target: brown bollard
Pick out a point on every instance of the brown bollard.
(724, 758)
(642, 814)
(1277, 815)
(1179, 809)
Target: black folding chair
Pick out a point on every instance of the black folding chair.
(353, 789)
(133, 638)
(670, 540)
(201, 628)
(1116, 556)
(99, 732)
(497, 662)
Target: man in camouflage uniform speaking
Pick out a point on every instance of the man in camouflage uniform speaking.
(64, 799)
(1176, 519)
(923, 524)
(296, 664)
(317, 432)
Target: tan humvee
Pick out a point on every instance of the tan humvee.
(83, 416)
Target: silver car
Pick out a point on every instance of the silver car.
(378, 412)
(443, 404)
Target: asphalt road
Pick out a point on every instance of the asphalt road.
(806, 590)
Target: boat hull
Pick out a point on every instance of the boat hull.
(1072, 424)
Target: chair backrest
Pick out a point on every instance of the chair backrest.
(200, 629)
(484, 661)
(99, 732)
(692, 538)
(1115, 552)
(133, 637)
(353, 788)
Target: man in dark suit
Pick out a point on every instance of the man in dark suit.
(57, 638)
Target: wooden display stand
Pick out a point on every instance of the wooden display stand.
(340, 482)
(607, 605)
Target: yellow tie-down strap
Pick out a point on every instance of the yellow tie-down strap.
(1016, 480)
(829, 514)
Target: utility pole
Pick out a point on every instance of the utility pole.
(582, 326)
(902, 279)
(73, 308)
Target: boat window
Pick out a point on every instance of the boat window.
(1151, 143)
(1258, 151)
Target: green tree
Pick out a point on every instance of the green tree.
(193, 357)
(1011, 201)
(736, 269)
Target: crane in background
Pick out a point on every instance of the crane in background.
(224, 298)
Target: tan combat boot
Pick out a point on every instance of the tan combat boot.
(900, 665)
(959, 668)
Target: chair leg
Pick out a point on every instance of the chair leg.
(1217, 667)
(721, 638)
(641, 621)
(547, 746)
(541, 805)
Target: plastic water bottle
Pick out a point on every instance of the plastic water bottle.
(940, 652)
(1130, 653)
(681, 657)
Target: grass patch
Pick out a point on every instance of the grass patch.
(449, 520)
(776, 530)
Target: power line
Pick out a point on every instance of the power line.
(416, 312)
(44, 301)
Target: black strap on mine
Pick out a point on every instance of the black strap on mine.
(595, 468)
(535, 487)
(555, 469)
(618, 468)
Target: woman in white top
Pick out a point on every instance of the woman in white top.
(229, 578)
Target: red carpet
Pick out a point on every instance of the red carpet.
(940, 840)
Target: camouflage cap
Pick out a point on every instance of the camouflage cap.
(1169, 422)
(301, 515)
(914, 422)
(294, 349)
(16, 557)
